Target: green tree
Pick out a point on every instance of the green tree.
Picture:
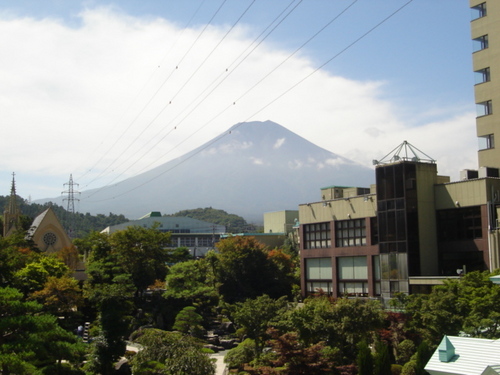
(189, 321)
(142, 253)
(114, 303)
(170, 353)
(61, 297)
(382, 363)
(243, 269)
(191, 284)
(364, 360)
(233, 223)
(34, 275)
(340, 323)
(15, 253)
(468, 304)
(110, 290)
(241, 354)
(32, 340)
(254, 315)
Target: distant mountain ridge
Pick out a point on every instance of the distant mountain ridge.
(257, 167)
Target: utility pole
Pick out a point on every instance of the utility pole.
(70, 208)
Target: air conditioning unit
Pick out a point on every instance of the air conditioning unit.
(468, 174)
(488, 172)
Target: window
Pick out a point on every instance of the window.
(394, 266)
(319, 275)
(350, 233)
(353, 276)
(486, 142)
(317, 236)
(460, 224)
(319, 286)
(319, 269)
(352, 268)
(187, 241)
(478, 11)
(482, 75)
(484, 108)
(480, 43)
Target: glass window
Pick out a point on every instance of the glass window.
(460, 224)
(376, 267)
(482, 75)
(486, 142)
(480, 43)
(350, 232)
(484, 108)
(353, 289)
(317, 236)
(319, 286)
(352, 268)
(478, 11)
(394, 266)
(319, 269)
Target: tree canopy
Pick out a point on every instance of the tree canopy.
(233, 223)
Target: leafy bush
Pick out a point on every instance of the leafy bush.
(243, 353)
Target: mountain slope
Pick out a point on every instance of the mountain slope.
(257, 167)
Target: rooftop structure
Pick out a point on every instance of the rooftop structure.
(465, 356)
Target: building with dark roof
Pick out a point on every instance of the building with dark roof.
(197, 235)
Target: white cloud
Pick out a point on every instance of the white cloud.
(335, 162)
(118, 95)
(257, 161)
(279, 143)
(295, 164)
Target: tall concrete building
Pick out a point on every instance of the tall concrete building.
(485, 32)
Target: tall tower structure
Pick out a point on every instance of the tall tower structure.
(485, 32)
(70, 208)
(12, 212)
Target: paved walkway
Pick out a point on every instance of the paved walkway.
(221, 366)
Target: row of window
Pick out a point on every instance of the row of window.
(455, 224)
(347, 233)
(481, 76)
(390, 270)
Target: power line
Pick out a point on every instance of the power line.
(156, 92)
(135, 99)
(208, 144)
(208, 94)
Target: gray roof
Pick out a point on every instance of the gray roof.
(31, 231)
(472, 357)
(173, 224)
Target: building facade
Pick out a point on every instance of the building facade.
(413, 227)
(485, 33)
(409, 231)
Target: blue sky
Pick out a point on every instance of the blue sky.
(91, 88)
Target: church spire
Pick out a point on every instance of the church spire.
(12, 213)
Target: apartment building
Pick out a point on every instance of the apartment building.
(485, 33)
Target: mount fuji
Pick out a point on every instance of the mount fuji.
(253, 168)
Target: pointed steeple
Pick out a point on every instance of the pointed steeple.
(12, 213)
(446, 350)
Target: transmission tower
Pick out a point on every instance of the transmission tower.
(70, 208)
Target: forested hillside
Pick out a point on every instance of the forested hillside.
(83, 224)
(233, 223)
